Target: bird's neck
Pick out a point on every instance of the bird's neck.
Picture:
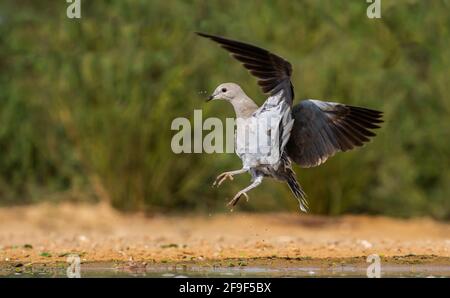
(244, 106)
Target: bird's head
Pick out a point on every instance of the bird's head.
(226, 91)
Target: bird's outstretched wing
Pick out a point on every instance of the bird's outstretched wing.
(323, 128)
(273, 72)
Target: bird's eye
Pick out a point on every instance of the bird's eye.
(224, 90)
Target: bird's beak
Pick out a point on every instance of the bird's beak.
(211, 97)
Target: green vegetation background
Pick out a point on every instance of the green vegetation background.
(86, 105)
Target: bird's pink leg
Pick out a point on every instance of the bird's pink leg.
(257, 181)
(227, 175)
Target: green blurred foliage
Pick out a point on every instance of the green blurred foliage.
(86, 105)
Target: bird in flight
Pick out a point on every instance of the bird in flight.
(307, 133)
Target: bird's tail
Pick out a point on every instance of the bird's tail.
(298, 192)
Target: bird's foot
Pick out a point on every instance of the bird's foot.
(236, 198)
(221, 178)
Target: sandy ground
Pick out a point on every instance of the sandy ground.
(47, 233)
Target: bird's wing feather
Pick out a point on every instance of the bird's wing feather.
(273, 72)
(323, 128)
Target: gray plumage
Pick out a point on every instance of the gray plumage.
(308, 133)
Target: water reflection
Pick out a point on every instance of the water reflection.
(105, 270)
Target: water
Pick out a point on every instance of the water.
(174, 271)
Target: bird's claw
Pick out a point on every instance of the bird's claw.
(221, 178)
(236, 198)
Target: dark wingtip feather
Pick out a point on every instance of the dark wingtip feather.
(272, 71)
(353, 127)
(366, 110)
(203, 34)
(360, 122)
